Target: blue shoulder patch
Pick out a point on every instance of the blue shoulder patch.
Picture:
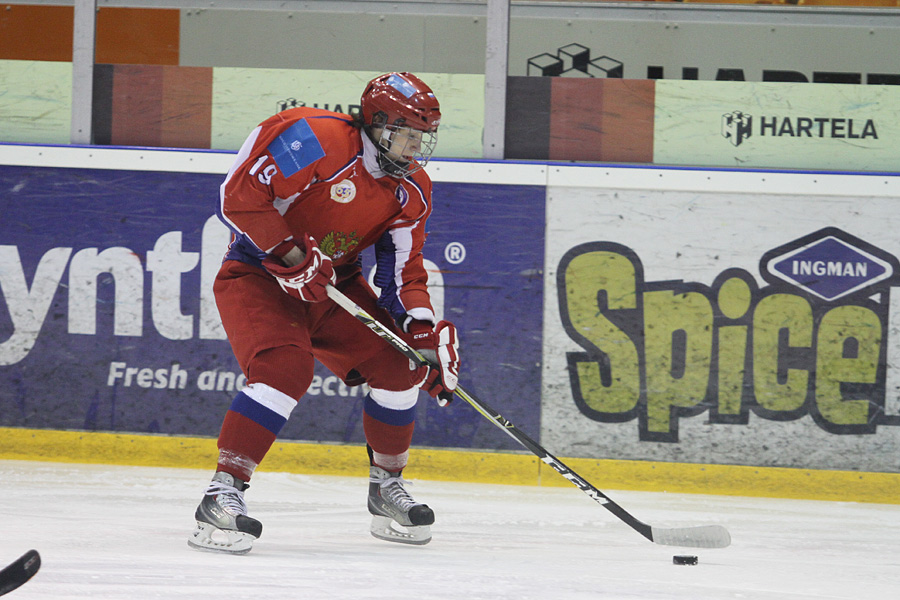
(296, 148)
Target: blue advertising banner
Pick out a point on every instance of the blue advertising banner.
(108, 322)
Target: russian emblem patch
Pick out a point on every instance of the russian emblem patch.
(337, 243)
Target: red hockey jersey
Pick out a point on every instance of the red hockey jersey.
(307, 170)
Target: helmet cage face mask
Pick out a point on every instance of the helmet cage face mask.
(403, 150)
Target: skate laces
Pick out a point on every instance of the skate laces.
(392, 489)
(229, 497)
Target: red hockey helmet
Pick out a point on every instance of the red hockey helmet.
(400, 99)
(401, 115)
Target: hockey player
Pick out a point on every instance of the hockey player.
(308, 191)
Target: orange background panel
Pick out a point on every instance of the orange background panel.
(602, 119)
(124, 35)
(36, 32)
(142, 36)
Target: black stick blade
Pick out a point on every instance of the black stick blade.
(20, 571)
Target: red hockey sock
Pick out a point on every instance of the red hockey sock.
(243, 443)
(389, 433)
(278, 377)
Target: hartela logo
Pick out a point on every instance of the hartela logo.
(829, 264)
(737, 126)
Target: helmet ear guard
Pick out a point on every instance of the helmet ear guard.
(379, 119)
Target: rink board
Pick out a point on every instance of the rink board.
(723, 317)
(109, 322)
(508, 468)
(710, 351)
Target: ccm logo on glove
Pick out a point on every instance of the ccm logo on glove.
(308, 279)
(441, 348)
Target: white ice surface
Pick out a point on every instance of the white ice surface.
(120, 532)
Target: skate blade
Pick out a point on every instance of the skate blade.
(209, 538)
(385, 528)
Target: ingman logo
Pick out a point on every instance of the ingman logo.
(829, 264)
(737, 126)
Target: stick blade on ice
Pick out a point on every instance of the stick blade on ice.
(705, 536)
(20, 571)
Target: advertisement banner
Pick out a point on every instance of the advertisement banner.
(777, 125)
(242, 98)
(706, 43)
(108, 321)
(722, 328)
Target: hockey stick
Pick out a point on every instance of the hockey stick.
(19, 571)
(704, 536)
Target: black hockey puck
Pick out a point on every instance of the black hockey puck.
(684, 559)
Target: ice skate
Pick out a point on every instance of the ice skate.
(396, 517)
(222, 521)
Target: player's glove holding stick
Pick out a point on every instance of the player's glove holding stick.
(440, 346)
(307, 279)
